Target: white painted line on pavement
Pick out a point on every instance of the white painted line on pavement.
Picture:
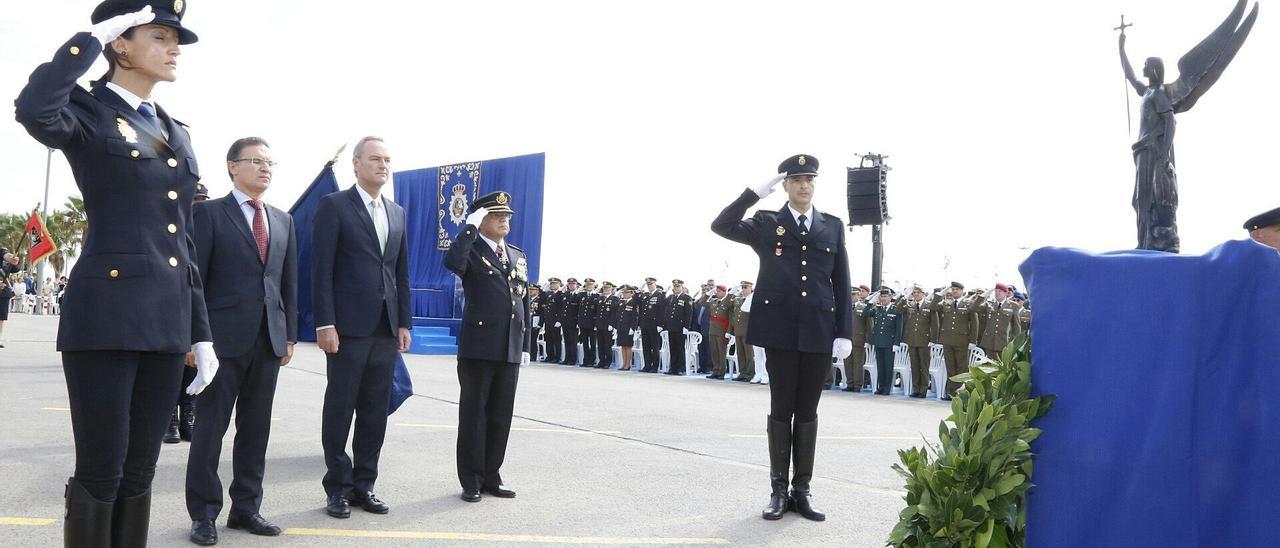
(516, 429)
(489, 537)
(55, 409)
(27, 521)
(877, 438)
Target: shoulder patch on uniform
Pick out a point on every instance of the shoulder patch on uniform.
(513, 246)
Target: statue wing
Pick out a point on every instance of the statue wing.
(1201, 67)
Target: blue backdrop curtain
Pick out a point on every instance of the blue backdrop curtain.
(1166, 427)
(435, 201)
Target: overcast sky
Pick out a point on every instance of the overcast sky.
(1004, 121)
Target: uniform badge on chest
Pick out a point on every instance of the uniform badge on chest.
(781, 231)
(130, 135)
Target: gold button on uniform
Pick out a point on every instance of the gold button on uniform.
(804, 293)
(513, 316)
(173, 261)
(173, 195)
(804, 248)
(173, 162)
(114, 273)
(804, 263)
(804, 278)
(766, 301)
(481, 322)
(134, 154)
(173, 229)
(75, 50)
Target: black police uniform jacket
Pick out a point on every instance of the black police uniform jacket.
(679, 311)
(795, 305)
(495, 315)
(139, 258)
(553, 308)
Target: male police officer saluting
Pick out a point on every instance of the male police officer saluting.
(800, 314)
(134, 165)
(493, 343)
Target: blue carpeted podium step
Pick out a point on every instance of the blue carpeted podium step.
(432, 340)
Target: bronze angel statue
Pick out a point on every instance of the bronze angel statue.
(1155, 191)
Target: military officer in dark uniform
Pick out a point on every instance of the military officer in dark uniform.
(1264, 228)
(800, 314)
(886, 333)
(679, 317)
(569, 321)
(552, 307)
(628, 324)
(493, 343)
(587, 322)
(651, 317)
(536, 301)
(135, 167)
(606, 323)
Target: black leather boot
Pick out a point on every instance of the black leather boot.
(804, 441)
(131, 520)
(188, 420)
(171, 435)
(87, 522)
(779, 466)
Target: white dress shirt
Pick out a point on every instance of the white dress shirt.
(494, 245)
(247, 209)
(808, 217)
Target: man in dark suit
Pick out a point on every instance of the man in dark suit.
(679, 318)
(800, 315)
(569, 321)
(360, 296)
(553, 306)
(248, 255)
(652, 315)
(587, 322)
(492, 344)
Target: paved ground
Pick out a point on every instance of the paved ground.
(597, 458)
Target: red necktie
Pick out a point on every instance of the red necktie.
(259, 230)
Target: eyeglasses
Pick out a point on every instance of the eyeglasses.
(257, 161)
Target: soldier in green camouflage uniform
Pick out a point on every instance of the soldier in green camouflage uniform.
(918, 328)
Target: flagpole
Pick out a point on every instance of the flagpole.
(48, 170)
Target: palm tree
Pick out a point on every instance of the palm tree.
(12, 227)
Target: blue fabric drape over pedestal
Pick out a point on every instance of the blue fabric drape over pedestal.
(1166, 428)
(304, 212)
(435, 201)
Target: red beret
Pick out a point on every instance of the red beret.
(1002, 287)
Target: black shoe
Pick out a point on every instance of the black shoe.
(882, 392)
(716, 377)
(338, 507)
(917, 395)
(500, 491)
(171, 435)
(131, 520)
(852, 389)
(369, 502)
(742, 379)
(204, 532)
(471, 495)
(826, 387)
(187, 422)
(253, 523)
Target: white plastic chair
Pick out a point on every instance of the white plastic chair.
(902, 367)
(542, 346)
(692, 340)
(838, 365)
(731, 357)
(664, 354)
(976, 354)
(869, 366)
(937, 371)
(637, 354)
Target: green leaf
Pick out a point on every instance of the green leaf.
(983, 538)
(1007, 483)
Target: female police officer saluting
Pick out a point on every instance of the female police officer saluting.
(136, 307)
(800, 314)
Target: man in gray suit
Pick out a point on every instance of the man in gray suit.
(248, 256)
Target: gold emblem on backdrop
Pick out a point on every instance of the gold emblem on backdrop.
(130, 135)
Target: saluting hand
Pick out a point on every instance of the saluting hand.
(766, 188)
(112, 28)
(476, 217)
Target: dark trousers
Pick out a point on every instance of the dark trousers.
(120, 408)
(704, 352)
(553, 342)
(675, 347)
(957, 359)
(247, 385)
(570, 344)
(795, 383)
(920, 358)
(587, 336)
(188, 375)
(533, 340)
(604, 347)
(359, 383)
(884, 369)
(652, 346)
(485, 404)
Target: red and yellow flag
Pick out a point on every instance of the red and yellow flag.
(42, 244)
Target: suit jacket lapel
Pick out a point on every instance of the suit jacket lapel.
(279, 237)
(362, 213)
(236, 216)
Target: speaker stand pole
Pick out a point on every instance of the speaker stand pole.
(877, 255)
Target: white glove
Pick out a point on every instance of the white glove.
(686, 331)
(635, 332)
(206, 367)
(841, 348)
(660, 329)
(524, 358)
(766, 188)
(557, 324)
(112, 28)
(476, 217)
(613, 330)
(537, 322)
